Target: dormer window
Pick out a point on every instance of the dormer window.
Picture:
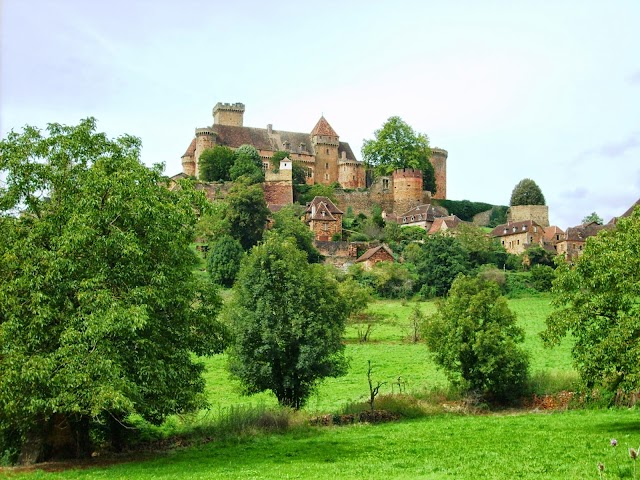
(404, 219)
(419, 216)
(535, 229)
(505, 231)
(412, 218)
(524, 228)
(515, 229)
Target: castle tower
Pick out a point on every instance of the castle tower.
(205, 138)
(407, 189)
(231, 114)
(351, 172)
(439, 161)
(325, 142)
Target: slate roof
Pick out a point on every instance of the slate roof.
(323, 128)
(508, 228)
(429, 213)
(582, 232)
(372, 251)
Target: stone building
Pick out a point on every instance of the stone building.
(521, 213)
(445, 225)
(572, 243)
(516, 237)
(325, 157)
(323, 218)
(381, 253)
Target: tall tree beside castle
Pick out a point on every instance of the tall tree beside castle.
(527, 192)
(395, 146)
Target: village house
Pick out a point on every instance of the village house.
(381, 253)
(421, 216)
(324, 219)
(516, 237)
(445, 224)
(572, 243)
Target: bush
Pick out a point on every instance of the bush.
(475, 339)
(223, 260)
(542, 277)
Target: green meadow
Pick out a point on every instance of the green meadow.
(498, 445)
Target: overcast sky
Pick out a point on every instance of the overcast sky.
(548, 90)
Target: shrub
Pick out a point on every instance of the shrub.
(223, 260)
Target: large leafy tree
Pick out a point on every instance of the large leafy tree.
(288, 318)
(441, 259)
(215, 163)
(527, 192)
(287, 223)
(246, 213)
(598, 300)
(100, 314)
(223, 260)
(475, 339)
(396, 145)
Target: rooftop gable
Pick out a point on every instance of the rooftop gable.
(323, 128)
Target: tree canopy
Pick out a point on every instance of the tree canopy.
(592, 217)
(527, 192)
(288, 318)
(396, 145)
(246, 213)
(215, 163)
(474, 338)
(441, 259)
(598, 305)
(100, 313)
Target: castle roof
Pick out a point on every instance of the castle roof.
(191, 149)
(323, 128)
(273, 140)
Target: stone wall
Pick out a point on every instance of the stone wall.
(537, 213)
(439, 162)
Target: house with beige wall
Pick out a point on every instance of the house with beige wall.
(516, 237)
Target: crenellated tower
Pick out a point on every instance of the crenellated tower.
(407, 189)
(231, 114)
(205, 138)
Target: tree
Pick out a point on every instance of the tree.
(598, 306)
(481, 247)
(246, 213)
(527, 192)
(396, 145)
(442, 258)
(592, 217)
(276, 158)
(100, 313)
(288, 318)
(248, 163)
(223, 260)
(215, 163)
(298, 173)
(474, 338)
(287, 224)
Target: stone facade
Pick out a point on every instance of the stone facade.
(381, 253)
(326, 159)
(278, 186)
(572, 243)
(439, 162)
(516, 237)
(521, 213)
(324, 219)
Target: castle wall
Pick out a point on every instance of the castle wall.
(407, 189)
(278, 187)
(537, 213)
(189, 166)
(351, 175)
(439, 161)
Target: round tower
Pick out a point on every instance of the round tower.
(205, 138)
(439, 161)
(407, 189)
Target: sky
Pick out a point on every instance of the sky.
(544, 89)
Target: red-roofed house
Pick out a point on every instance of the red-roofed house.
(516, 237)
(374, 255)
(323, 218)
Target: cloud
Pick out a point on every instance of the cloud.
(634, 79)
(612, 149)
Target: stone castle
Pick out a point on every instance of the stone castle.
(326, 159)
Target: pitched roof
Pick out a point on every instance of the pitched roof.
(322, 212)
(512, 228)
(318, 200)
(323, 128)
(631, 208)
(372, 251)
(551, 232)
(191, 149)
(452, 221)
(582, 232)
(428, 212)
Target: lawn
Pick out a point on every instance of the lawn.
(566, 445)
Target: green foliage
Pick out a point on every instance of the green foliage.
(598, 305)
(246, 214)
(592, 217)
(395, 146)
(298, 173)
(285, 340)
(536, 255)
(215, 163)
(474, 338)
(464, 209)
(100, 313)
(276, 158)
(527, 192)
(317, 190)
(287, 224)
(518, 284)
(442, 258)
(249, 152)
(498, 215)
(244, 167)
(542, 277)
(223, 260)
(481, 247)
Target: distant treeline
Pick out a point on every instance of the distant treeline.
(466, 210)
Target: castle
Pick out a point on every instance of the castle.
(326, 159)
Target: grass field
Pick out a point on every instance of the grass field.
(513, 445)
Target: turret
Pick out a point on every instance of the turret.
(231, 114)
(205, 138)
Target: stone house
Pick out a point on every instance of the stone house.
(572, 243)
(381, 253)
(421, 216)
(516, 237)
(323, 218)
